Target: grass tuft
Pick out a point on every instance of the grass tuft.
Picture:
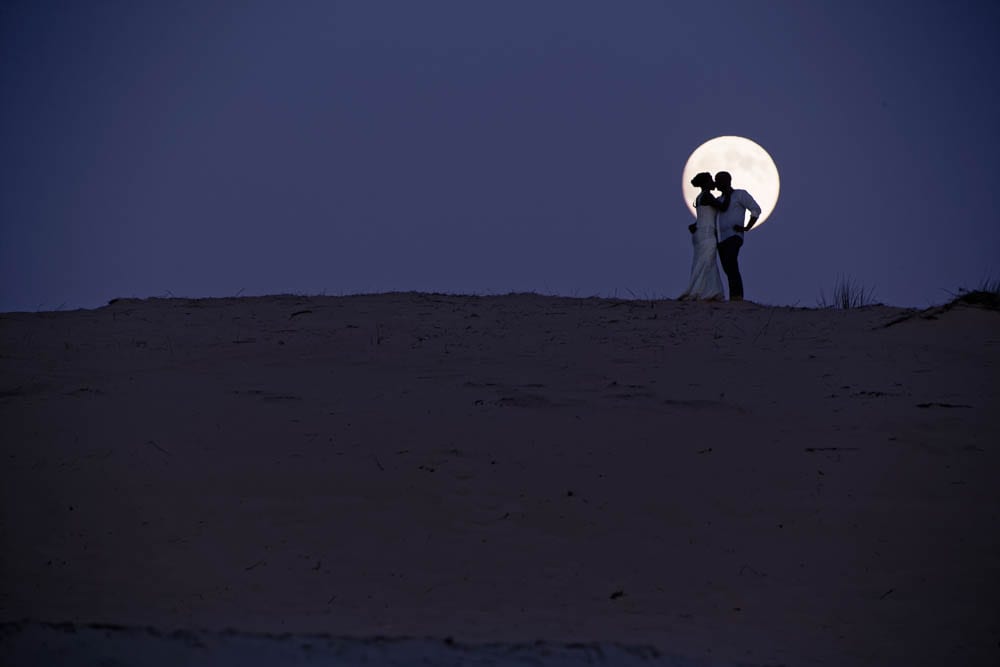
(986, 295)
(847, 293)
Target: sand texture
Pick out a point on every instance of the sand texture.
(727, 482)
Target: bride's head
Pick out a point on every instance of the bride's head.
(703, 181)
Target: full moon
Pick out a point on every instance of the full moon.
(751, 167)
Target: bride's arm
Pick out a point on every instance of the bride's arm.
(709, 199)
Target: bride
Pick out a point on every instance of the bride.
(705, 283)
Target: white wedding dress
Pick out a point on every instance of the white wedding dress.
(706, 283)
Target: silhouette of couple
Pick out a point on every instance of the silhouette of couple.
(718, 232)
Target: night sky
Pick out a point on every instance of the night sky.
(220, 148)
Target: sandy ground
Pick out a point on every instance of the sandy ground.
(727, 482)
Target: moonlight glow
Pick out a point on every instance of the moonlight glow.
(752, 169)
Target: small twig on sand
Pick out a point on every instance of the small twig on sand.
(299, 312)
(831, 449)
(378, 463)
(153, 443)
(752, 571)
(763, 329)
(887, 593)
(260, 562)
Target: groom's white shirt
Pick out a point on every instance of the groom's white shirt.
(739, 203)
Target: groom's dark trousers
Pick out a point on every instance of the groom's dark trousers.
(729, 252)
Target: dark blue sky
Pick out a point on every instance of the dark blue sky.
(203, 148)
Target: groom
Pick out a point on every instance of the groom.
(730, 226)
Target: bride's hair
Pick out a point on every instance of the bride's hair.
(702, 179)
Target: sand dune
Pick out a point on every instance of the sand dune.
(727, 482)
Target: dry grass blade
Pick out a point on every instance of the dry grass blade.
(847, 293)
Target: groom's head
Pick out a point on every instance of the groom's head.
(723, 180)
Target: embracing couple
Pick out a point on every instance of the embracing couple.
(718, 231)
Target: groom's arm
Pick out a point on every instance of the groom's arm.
(751, 205)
